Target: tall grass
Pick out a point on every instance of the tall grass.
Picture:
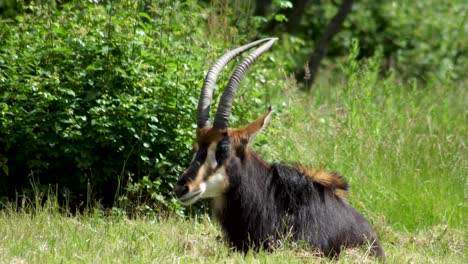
(401, 146)
(43, 234)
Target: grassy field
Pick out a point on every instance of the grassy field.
(402, 148)
(50, 237)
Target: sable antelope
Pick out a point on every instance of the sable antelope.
(258, 203)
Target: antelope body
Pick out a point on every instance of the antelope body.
(258, 203)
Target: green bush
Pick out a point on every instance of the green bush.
(420, 40)
(103, 95)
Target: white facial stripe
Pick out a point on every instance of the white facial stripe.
(211, 156)
(216, 184)
(195, 149)
(203, 187)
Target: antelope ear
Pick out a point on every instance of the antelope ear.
(258, 125)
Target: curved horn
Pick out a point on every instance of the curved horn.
(225, 105)
(206, 95)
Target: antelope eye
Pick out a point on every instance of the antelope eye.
(222, 150)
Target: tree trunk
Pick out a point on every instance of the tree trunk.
(262, 7)
(321, 50)
(295, 15)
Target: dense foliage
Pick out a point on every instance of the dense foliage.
(95, 96)
(423, 40)
(89, 94)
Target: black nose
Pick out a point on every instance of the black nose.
(181, 190)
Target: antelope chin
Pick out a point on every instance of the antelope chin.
(190, 198)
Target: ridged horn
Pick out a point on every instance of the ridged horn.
(206, 95)
(225, 105)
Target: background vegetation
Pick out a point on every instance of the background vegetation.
(97, 107)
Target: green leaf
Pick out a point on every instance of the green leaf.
(281, 18)
(144, 15)
(285, 4)
(5, 169)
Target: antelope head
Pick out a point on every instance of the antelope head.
(216, 146)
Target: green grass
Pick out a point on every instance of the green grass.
(47, 236)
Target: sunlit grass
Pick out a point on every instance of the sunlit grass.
(47, 236)
(402, 147)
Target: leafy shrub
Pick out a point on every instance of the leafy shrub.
(420, 40)
(100, 95)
